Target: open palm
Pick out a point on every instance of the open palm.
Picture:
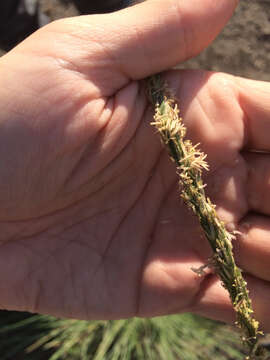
(91, 221)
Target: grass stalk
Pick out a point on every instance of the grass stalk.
(190, 163)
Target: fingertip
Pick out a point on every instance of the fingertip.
(161, 33)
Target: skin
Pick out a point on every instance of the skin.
(92, 226)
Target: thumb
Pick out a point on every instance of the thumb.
(135, 42)
(157, 34)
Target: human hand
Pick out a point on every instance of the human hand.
(91, 222)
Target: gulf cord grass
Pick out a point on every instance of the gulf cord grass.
(190, 162)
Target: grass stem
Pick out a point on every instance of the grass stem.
(190, 162)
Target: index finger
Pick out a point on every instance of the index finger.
(254, 99)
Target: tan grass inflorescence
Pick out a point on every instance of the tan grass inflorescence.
(190, 162)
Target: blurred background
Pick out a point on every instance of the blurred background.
(243, 48)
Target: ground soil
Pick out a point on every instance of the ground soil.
(243, 48)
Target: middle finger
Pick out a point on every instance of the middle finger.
(258, 182)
